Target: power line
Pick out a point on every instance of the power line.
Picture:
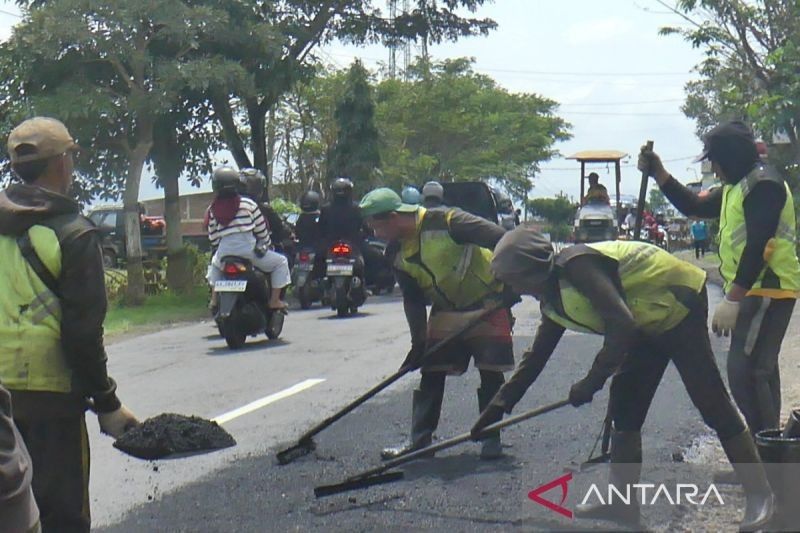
(642, 102)
(9, 13)
(572, 169)
(612, 114)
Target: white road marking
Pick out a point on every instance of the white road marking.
(266, 400)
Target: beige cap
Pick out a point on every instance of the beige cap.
(48, 137)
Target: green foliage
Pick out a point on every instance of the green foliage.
(752, 50)
(355, 153)
(283, 207)
(558, 232)
(657, 200)
(557, 211)
(157, 311)
(451, 123)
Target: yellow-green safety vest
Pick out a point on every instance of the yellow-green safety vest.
(780, 277)
(655, 285)
(31, 357)
(453, 276)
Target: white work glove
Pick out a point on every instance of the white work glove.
(117, 422)
(725, 317)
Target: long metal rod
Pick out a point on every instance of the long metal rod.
(449, 443)
(637, 232)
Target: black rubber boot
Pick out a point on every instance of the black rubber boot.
(760, 502)
(491, 447)
(625, 470)
(425, 409)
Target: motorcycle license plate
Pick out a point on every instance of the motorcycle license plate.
(306, 267)
(340, 270)
(231, 286)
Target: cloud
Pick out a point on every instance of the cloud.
(597, 30)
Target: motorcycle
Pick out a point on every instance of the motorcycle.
(306, 287)
(346, 290)
(241, 309)
(378, 269)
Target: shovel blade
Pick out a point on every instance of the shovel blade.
(301, 449)
(355, 484)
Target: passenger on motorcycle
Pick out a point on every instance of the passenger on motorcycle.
(306, 228)
(236, 227)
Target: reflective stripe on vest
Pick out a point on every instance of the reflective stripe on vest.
(658, 289)
(780, 277)
(453, 276)
(31, 357)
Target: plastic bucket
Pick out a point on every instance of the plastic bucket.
(775, 451)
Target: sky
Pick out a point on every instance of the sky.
(617, 81)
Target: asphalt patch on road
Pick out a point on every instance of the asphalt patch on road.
(172, 435)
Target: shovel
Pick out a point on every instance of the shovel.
(381, 474)
(637, 232)
(305, 443)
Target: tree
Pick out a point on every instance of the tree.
(450, 123)
(752, 49)
(109, 69)
(355, 153)
(183, 142)
(272, 43)
(557, 211)
(657, 200)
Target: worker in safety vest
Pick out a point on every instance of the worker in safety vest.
(443, 258)
(52, 358)
(651, 309)
(757, 239)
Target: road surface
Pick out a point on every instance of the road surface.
(267, 394)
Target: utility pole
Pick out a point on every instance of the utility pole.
(406, 47)
(392, 5)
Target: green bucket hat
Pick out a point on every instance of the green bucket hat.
(384, 200)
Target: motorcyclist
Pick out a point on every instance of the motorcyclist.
(410, 195)
(340, 220)
(254, 185)
(306, 228)
(432, 195)
(508, 218)
(236, 227)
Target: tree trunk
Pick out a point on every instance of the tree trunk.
(133, 235)
(270, 147)
(230, 132)
(258, 137)
(179, 278)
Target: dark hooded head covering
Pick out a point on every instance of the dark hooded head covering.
(733, 147)
(523, 253)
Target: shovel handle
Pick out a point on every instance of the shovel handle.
(308, 435)
(449, 443)
(637, 232)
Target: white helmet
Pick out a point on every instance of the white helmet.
(433, 189)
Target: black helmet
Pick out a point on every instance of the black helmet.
(225, 179)
(309, 201)
(253, 183)
(342, 188)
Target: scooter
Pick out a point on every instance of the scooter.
(241, 309)
(306, 287)
(346, 289)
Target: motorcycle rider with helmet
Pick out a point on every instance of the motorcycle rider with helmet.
(411, 196)
(254, 185)
(340, 220)
(432, 195)
(306, 228)
(236, 227)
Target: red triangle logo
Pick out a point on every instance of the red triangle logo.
(562, 482)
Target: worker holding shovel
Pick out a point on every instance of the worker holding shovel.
(444, 258)
(652, 309)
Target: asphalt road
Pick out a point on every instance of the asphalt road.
(188, 370)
